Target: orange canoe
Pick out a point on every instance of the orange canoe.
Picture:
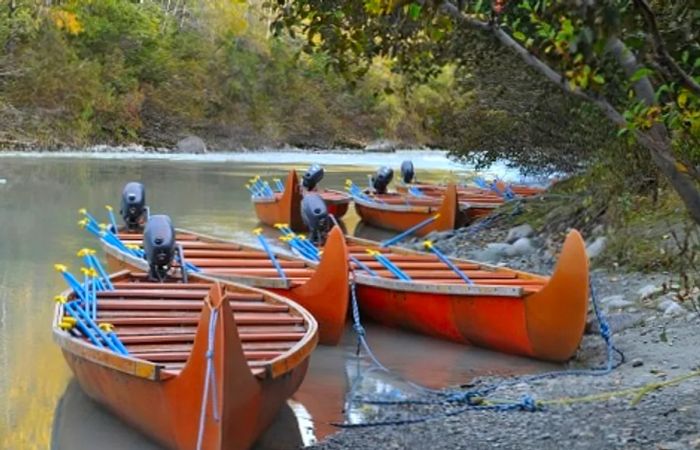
(505, 310)
(185, 379)
(400, 212)
(285, 207)
(499, 308)
(323, 289)
(433, 189)
(474, 201)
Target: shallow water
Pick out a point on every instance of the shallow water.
(40, 407)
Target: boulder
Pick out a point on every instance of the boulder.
(595, 248)
(381, 146)
(521, 247)
(521, 231)
(616, 321)
(491, 253)
(191, 144)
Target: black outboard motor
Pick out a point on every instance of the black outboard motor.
(407, 172)
(312, 177)
(159, 246)
(133, 205)
(382, 178)
(314, 213)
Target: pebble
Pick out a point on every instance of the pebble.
(649, 291)
(520, 231)
(608, 424)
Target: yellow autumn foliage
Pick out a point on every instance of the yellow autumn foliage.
(67, 21)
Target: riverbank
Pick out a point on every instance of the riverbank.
(426, 160)
(646, 402)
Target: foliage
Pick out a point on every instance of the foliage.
(118, 71)
(640, 63)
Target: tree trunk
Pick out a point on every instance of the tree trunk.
(657, 139)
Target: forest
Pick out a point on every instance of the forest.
(607, 91)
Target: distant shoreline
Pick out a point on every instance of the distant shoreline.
(424, 159)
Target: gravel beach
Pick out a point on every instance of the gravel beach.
(659, 336)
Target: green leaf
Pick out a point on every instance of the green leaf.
(662, 89)
(519, 35)
(640, 73)
(598, 79)
(414, 11)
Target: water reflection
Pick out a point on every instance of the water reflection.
(82, 424)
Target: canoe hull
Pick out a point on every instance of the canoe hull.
(149, 406)
(497, 323)
(402, 218)
(547, 324)
(285, 208)
(338, 209)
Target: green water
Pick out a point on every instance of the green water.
(39, 405)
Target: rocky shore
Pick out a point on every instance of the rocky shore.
(192, 144)
(651, 401)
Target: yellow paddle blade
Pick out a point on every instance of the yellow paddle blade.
(106, 327)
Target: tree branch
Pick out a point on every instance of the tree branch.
(536, 63)
(656, 140)
(660, 47)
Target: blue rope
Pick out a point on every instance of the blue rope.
(473, 399)
(209, 378)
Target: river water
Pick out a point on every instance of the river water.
(41, 407)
